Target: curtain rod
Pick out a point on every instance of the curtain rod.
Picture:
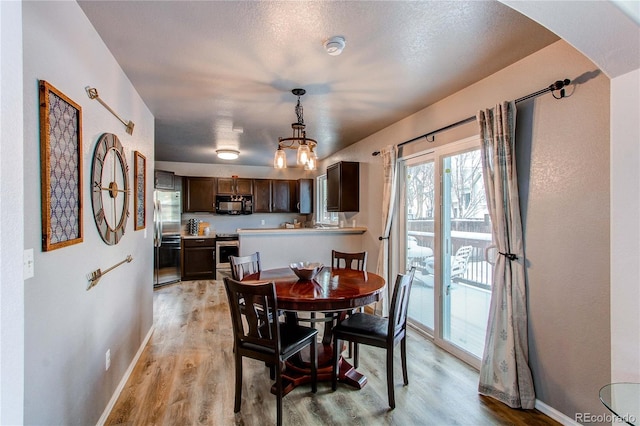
(558, 85)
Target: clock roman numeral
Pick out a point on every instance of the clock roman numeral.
(100, 216)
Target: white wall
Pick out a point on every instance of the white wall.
(67, 328)
(11, 219)
(567, 219)
(625, 228)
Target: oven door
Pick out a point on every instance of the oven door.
(224, 249)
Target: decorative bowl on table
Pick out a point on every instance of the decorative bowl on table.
(306, 270)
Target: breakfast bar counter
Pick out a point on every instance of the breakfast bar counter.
(282, 246)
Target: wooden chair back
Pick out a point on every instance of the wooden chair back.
(356, 261)
(252, 312)
(244, 265)
(400, 305)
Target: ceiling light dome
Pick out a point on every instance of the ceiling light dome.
(227, 154)
(335, 45)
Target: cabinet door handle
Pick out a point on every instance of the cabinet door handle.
(199, 241)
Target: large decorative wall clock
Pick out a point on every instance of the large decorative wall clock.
(110, 188)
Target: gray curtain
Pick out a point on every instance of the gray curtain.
(505, 373)
(389, 163)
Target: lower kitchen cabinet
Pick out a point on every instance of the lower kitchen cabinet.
(198, 258)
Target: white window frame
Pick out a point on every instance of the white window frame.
(323, 217)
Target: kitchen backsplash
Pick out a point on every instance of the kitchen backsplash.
(230, 223)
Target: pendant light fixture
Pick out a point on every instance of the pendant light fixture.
(299, 141)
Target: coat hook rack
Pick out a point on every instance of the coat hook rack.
(92, 92)
(95, 276)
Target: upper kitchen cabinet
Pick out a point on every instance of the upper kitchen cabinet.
(283, 196)
(274, 196)
(164, 180)
(343, 187)
(262, 195)
(305, 196)
(199, 194)
(234, 186)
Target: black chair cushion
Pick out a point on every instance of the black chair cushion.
(365, 326)
(292, 339)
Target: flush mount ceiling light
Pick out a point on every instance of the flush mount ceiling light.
(299, 141)
(227, 154)
(335, 45)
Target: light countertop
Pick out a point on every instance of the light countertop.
(298, 231)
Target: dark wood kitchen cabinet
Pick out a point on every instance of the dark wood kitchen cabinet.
(198, 258)
(343, 187)
(198, 194)
(304, 196)
(274, 196)
(234, 186)
(262, 195)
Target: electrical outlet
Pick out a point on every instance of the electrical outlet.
(262, 222)
(27, 265)
(107, 360)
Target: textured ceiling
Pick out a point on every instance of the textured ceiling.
(204, 68)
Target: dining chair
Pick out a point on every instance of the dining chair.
(259, 335)
(338, 259)
(380, 332)
(244, 265)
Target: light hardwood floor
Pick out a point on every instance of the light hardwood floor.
(185, 376)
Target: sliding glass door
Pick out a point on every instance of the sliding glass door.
(446, 230)
(419, 214)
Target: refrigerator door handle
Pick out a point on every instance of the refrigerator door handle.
(157, 220)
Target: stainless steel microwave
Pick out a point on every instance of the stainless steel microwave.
(234, 204)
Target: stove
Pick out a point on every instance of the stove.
(227, 237)
(226, 245)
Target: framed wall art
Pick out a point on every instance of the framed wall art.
(140, 183)
(60, 168)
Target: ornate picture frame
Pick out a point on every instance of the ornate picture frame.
(60, 168)
(139, 190)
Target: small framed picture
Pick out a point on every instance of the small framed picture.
(140, 179)
(60, 168)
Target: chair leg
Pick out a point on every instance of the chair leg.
(403, 354)
(336, 362)
(355, 355)
(279, 395)
(238, 398)
(314, 365)
(392, 401)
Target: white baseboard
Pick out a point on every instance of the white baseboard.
(555, 414)
(123, 381)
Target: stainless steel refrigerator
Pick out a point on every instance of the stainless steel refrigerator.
(166, 237)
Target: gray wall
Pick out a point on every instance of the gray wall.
(67, 328)
(566, 215)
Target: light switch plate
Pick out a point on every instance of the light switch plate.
(27, 265)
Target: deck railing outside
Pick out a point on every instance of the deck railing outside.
(467, 232)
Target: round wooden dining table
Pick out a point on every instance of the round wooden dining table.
(332, 292)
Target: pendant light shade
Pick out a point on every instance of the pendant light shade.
(303, 153)
(280, 159)
(312, 163)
